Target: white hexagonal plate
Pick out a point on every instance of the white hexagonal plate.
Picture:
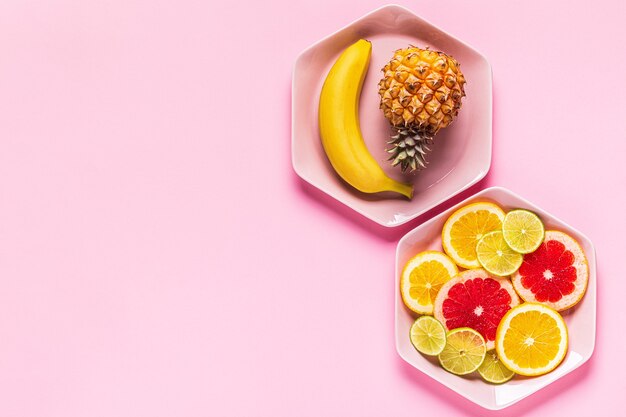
(580, 319)
(462, 152)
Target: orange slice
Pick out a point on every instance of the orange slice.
(531, 339)
(465, 227)
(422, 278)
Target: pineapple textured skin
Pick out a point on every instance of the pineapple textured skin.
(421, 88)
(420, 93)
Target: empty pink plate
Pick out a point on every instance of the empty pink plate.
(462, 151)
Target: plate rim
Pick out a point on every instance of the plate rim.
(388, 223)
(591, 258)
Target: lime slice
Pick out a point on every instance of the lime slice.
(523, 231)
(464, 352)
(492, 370)
(428, 335)
(496, 256)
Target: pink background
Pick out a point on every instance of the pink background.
(159, 257)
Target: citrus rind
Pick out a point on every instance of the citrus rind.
(496, 256)
(468, 242)
(428, 336)
(523, 230)
(464, 351)
(462, 277)
(510, 360)
(582, 272)
(492, 370)
(446, 271)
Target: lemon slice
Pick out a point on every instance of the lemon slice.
(465, 227)
(531, 339)
(492, 370)
(428, 336)
(496, 256)
(422, 278)
(523, 230)
(464, 352)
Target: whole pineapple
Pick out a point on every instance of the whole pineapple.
(420, 93)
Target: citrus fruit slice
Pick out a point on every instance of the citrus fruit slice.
(428, 335)
(422, 278)
(531, 339)
(556, 274)
(496, 256)
(523, 230)
(465, 227)
(464, 352)
(475, 299)
(492, 370)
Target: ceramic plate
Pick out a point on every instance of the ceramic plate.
(462, 152)
(581, 319)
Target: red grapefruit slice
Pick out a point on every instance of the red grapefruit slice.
(556, 274)
(475, 299)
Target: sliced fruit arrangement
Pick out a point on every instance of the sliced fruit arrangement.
(422, 278)
(339, 126)
(475, 299)
(479, 323)
(532, 339)
(556, 274)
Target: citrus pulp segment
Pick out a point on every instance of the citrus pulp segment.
(422, 277)
(475, 299)
(496, 256)
(492, 370)
(428, 336)
(464, 351)
(531, 339)
(523, 230)
(556, 274)
(465, 227)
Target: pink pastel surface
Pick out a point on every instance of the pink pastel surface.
(160, 257)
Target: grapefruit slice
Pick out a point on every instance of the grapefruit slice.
(475, 299)
(556, 274)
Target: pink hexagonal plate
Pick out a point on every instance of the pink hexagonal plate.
(580, 319)
(462, 153)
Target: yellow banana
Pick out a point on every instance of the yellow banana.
(339, 124)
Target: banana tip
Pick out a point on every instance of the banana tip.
(405, 189)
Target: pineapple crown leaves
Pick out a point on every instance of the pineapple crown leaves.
(409, 148)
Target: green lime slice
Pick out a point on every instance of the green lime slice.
(428, 335)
